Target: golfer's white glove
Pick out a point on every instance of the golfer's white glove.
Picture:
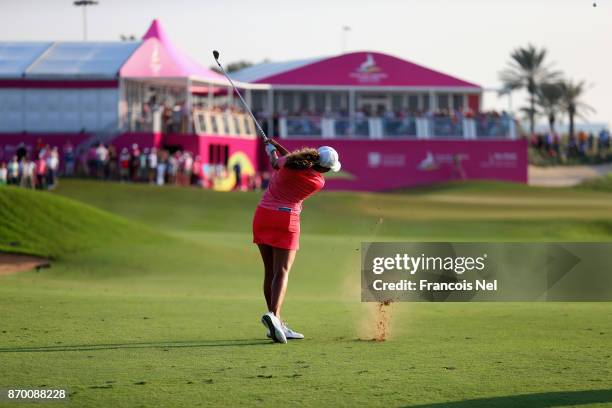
(270, 148)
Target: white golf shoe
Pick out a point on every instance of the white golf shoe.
(275, 327)
(289, 334)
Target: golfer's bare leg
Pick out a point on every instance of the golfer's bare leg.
(283, 260)
(267, 255)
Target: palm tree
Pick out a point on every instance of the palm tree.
(571, 94)
(549, 100)
(527, 69)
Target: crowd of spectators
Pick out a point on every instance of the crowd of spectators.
(39, 167)
(581, 145)
(173, 116)
(444, 122)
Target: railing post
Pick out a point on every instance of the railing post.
(328, 128)
(282, 127)
(469, 129)
(512, 128)
(422, 128)
(375, 128)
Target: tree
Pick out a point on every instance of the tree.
(571, 94)
(233, 66)
(549, 99)
(527, 70)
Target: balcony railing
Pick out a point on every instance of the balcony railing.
(397, 128)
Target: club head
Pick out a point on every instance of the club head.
(216, 54)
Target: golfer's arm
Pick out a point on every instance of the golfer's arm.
(281, 149)
(274, 160)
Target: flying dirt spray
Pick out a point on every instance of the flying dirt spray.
(383, 320)
(376, 321)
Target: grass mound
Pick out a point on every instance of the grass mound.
(38, 223)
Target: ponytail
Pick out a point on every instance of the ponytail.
(304, 158)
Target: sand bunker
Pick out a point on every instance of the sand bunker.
(13, 263)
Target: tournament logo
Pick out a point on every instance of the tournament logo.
(155, 63)
(428, 163)
(368, 72)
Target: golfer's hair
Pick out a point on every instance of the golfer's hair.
(304, 158)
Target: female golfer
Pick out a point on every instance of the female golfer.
(276, 225)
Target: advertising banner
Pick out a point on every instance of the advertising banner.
(378, 165)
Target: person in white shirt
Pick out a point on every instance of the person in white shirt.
(29, 168)
(101, 159)
(152, 164)
(13, 171)
(3, 174)
(52, 167)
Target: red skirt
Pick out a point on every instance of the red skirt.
(277, 228)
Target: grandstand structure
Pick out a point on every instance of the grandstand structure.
(370, 95)
(111, 87)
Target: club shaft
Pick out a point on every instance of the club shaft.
(246, 106)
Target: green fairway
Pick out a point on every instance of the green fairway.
(154, 299)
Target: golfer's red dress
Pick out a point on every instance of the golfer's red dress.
(277, 218)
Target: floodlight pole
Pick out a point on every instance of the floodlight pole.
(345, 30)
(84, 4)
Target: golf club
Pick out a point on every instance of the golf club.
(259, 129)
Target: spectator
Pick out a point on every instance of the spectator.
(3, 174)
(187, 168)
(124, 165)
(134, 162)
(52, 167)
(152, 164)
(13, 171)
(101, 160)
(142, 164)
(41, 173)
(69, 159)
(22, 151)
(196, 173)
(172, 168)
(238, 174)
(111, 172)
(161, 168)
(27, 175)
(92, 161)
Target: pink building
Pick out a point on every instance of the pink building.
(395, 123)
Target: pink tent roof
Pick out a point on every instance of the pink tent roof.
(355, 70)
(158, 57)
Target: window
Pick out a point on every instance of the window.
(288, 105)
(458, 101)
(413, 103)
(338, 101)
(218, 154)
(443, 101)
(426, 103)
(258, 100)
(319, 102)
(303, 101)
(397, 102)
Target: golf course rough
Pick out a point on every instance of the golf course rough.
(153, 299)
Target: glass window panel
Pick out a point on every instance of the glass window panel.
(413, 103)
(443, 101)
(458, 101)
